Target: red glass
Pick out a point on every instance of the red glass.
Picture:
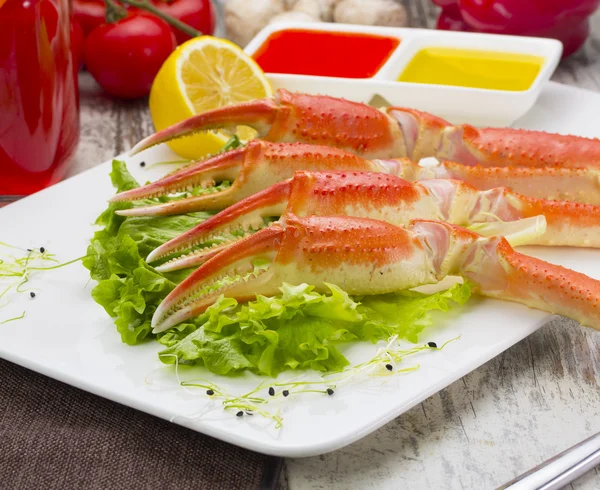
(322, 53)
(39, 99)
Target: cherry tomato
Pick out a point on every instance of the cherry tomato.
(124, 57)
(199, 14)
(89, 14)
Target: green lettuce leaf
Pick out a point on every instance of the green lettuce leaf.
(128, 288)
(301, 328)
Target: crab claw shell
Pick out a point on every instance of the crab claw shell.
(192, 296)
(254, 168)
(365, 256)
(248, 214)
(226, 166)
(580, 185)
(368, 194)
(426, 135)
(258, 114)
(303, 250)
(500, 272)
(499, 211)
(294, 117)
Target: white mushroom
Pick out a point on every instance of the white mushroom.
(320, 9)
(245, 18)
(293, 16)
(371, 12)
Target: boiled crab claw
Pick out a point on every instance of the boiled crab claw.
(395, 133)
(365, 256)
(251, 168)
(384, 197)
(580, 185)
(261, 164)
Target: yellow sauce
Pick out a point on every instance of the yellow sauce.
(473, 68)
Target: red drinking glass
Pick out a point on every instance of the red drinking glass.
(39, 98)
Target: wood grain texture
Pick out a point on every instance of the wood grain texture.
(535, 400)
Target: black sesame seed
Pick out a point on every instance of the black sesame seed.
(432, 344)
(32, 294)
(210, 392)
(285, 392)
(330, 391)
(239, 414)
(42, 249)
(271, 391)
(29, 250)
(389, 367)
(249, 413)
(142, 164)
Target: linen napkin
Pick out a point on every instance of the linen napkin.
(54, 436)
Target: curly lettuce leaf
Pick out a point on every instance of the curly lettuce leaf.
(128, 288)
(301, 328)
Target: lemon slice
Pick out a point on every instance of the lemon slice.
(203, 74)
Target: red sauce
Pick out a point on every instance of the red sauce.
(327, 54)
(39, 113)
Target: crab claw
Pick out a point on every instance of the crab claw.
(234, 270)
(252, 169)
(397, 132)
(498, 211)
(581, 185)
(426, 135)
(293, 117)
(365, 256)
(258, 114)
(211, 236)
(348, 251)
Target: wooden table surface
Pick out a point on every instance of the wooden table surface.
(533, 401)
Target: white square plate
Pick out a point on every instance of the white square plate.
(67, 336)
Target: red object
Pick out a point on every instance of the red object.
(77, 40)
(39, 105)
(565, 20)
(89, 14)
(124, 57)
(199, 14)
(330, 54)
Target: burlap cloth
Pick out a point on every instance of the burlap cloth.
(54, 436)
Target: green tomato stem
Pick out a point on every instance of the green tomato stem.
(147, 6)
(114, 12)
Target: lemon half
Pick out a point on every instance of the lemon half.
(203, 74)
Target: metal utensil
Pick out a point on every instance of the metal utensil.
(559, 471)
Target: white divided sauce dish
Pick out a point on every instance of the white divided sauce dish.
(481, 107)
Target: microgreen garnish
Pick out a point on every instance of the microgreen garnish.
(22, 315)
(17, 264)
(253, 403)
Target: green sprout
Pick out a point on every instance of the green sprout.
(384, 363)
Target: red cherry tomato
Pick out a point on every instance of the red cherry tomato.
(124, 57)
(199, 14)
(89, 14)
